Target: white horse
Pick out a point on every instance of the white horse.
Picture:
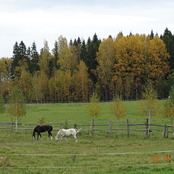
(67, 132)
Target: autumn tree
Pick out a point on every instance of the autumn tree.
(2, 105)
(82, 83)
(56, 88)
(149, 105)
(67, 84)
(117, 107)
(72, 71)
(130, 59)
(105, 69)
(45, 57)
(38, 84)
(157, 60)
(5, 76)
(94, 108)
(140, 59)
(67, 60)
(16, 105)
(169, 106)
(25, 84)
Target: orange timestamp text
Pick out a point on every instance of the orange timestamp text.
(166, 158)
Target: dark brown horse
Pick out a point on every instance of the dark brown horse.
(42, 128)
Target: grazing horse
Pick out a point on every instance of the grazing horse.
(42, 128)
(67, 132)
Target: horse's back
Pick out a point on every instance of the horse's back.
(66, 132)
(43, 128)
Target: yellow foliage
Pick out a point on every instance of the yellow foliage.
(149, 106)
(94, 108)
(117, 108)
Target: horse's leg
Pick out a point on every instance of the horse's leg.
(40, 135)
(75, 138)
(56, 137)
(66, 139)
(37, 135)
(50, 135)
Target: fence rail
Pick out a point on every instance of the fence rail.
(110, 127)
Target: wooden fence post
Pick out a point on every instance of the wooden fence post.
(128, 131)
(147, 128)
(173, 128)
(117, 124)
(165, 131)
(75, 126)
(110, 128)
(92, 126)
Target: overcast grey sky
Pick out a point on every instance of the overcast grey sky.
(39, 20)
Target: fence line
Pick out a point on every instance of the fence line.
(111, 127)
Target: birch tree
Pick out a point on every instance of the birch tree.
(105, 69)
(149, 106)
(169, 107)
(117, 108)
(16, 105)
(94, 108)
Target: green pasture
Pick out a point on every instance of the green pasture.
(78, 113)
(97, 154)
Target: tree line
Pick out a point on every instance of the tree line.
(73, 70)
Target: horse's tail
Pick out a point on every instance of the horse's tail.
(78, 130)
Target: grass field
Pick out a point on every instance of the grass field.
(98, 154)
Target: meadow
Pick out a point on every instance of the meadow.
(97, 154)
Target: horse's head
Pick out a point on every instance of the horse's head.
(33, 134)
(34, 131)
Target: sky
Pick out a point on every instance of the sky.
(39, 20)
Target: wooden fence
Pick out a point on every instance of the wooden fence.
(110, 127)
(129, 127)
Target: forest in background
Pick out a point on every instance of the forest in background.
(73, 70)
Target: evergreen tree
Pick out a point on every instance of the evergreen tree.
(83, 52)
(168, 39)
(34, 56)
(56, 54)
(15, 58)
(79, 40)
(20, 58)
(24, 59)
(151, 34)
(91, 62)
